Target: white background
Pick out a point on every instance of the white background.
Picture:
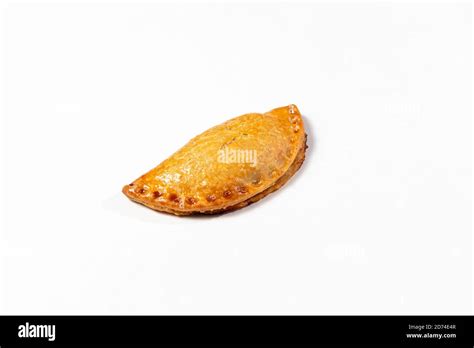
(378, 220)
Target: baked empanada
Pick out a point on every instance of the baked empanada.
(227, 167)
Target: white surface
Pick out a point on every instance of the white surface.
(378, 221)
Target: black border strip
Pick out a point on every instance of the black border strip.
(242, 330)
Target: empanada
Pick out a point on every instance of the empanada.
(227, 167)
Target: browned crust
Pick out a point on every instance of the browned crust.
(294, 167)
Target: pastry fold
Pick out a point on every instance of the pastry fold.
(227, 167)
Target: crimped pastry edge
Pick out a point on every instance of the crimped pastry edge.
(294, 167)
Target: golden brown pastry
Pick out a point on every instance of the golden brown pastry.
(227, 167)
